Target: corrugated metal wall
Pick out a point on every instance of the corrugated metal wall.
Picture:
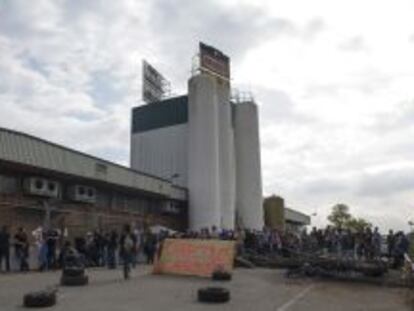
(162, 152)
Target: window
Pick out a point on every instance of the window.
(81, 190)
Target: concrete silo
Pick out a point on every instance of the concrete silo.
(226, 155)
(203, 153)
(248, 167)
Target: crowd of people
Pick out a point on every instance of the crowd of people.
(97, 248)
(109, 248)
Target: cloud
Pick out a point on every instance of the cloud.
(386, 183)
(354, 44)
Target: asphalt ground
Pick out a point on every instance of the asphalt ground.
(251, 290)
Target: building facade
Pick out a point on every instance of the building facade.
(208, 143)
(45, 184)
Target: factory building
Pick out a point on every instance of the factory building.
(195, 163)
(45, 184)
(207, 143)
(278, 216)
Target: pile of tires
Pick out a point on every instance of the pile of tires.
(41, 299)
(74, 277)
(213, 295)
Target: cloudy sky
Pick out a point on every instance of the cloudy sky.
(334, 81)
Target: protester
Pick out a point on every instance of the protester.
(150, 246)
(112, 249)
(42, 248)
(5, 248)
(52, 237)
(127, 247)
(390, 243)
(21, 245)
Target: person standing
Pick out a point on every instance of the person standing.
(51, 240)
(128, 246)
(150, 247)
(376, 243)
(112, 247)
(5, 248)
(390, 243)
(22, 249)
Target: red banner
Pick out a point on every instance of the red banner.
(195, 257)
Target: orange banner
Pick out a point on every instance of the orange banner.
(195, 257)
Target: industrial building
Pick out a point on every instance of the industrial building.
(206, 142)
(44, 182)
(195, 163)
(278, 216)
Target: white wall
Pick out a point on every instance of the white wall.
(162, 152)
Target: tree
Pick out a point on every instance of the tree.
(340, 215)
(357, 224)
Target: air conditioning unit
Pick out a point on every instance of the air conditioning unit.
(42, 187)
(81, 193)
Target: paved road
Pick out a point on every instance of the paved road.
(251, 290)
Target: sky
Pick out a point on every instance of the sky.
(333, 81)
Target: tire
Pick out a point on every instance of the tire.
(374, 273)
(221, 276)
(243, 263)
(41, 299)
(213, 295)
(73, 272)
(74, 280)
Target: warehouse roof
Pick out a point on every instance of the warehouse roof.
(21, 148)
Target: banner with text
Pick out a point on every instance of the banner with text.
(195, 257)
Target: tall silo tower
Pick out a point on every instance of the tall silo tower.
(226, 155)
(248, 168)
(203, 153)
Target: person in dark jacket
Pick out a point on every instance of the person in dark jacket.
(150, 247)
(21, 246)
(5, 248)
(52, 237)
(401, 247)
(112, 247)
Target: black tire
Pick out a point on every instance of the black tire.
(74, 280)
(41, 299)
(221, 276)
(74, 272)
(241, 262)
(213, 295)
(374, 273)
